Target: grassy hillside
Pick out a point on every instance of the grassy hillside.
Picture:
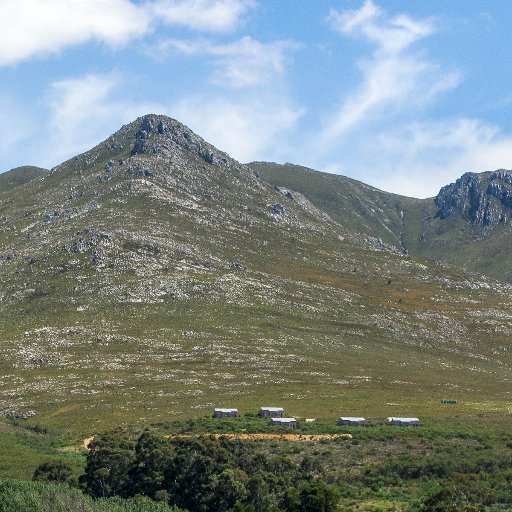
(156, 278)
(357, 207)
(19, 176)
(474, 235)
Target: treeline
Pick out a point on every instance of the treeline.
(146, 472)
(205, 475)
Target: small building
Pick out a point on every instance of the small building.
(350, 421)
(271, 412)
(404, 422)
(225, 413)
(450, 402)
(284, 422)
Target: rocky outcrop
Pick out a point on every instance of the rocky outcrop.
(482, 199)
(159, 134)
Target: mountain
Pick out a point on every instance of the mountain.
(155, 276)
(468, 224)
(19, 176)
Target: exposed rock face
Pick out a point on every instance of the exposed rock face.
(158, 134)
(483, 199)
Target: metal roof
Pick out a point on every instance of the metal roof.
(349, 418)
(405, 420)
(226, 410)
(275, 409)
(283, 420)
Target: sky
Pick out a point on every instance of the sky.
(405, 95)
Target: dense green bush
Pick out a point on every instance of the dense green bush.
(19, 496)
(204, 474)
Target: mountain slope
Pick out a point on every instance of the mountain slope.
(467, 224)
(155, 276)
(356, 206)
(19, 176)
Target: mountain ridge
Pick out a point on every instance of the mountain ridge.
(19, 176)
(449, 227)
(154, 276)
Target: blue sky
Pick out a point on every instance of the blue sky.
(405, 95)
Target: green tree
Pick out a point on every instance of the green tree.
(462, 493)
(226, 489)
(317, 497)
(109, 461)
(154, 457)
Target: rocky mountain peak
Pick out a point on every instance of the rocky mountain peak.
(483, 199)
(160, 135)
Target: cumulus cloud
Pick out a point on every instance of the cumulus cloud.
(203, 15)
(419, 158)
(242, 63)
(251, 128)
(40, 27)
(395, 77)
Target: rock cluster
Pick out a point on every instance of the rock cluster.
(158, 134)
(483, 199)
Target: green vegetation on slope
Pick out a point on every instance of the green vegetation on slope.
(454, 464)
(153, 284)
(37, 497)
(19, 176)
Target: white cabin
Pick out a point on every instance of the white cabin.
(284, 422)
(404, 422)
(225, 413)
(271, 412)
(351, 421)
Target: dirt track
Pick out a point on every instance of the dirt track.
(87, 442)
(298, 438)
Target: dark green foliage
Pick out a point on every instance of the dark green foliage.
(110, 458)
(411, 470)
(53, 471)
(316, 497)
(153, 460)
(18, 496)
(204, 474)
(466, 493)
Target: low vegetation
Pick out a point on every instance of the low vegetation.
(183, 465)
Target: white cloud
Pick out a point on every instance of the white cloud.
(41, 27)
(243, 63)
(394, 78)
(381, 132)
(83, 112)
(203, 15)
(392, 35)
(248, 129)
(418, 159)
